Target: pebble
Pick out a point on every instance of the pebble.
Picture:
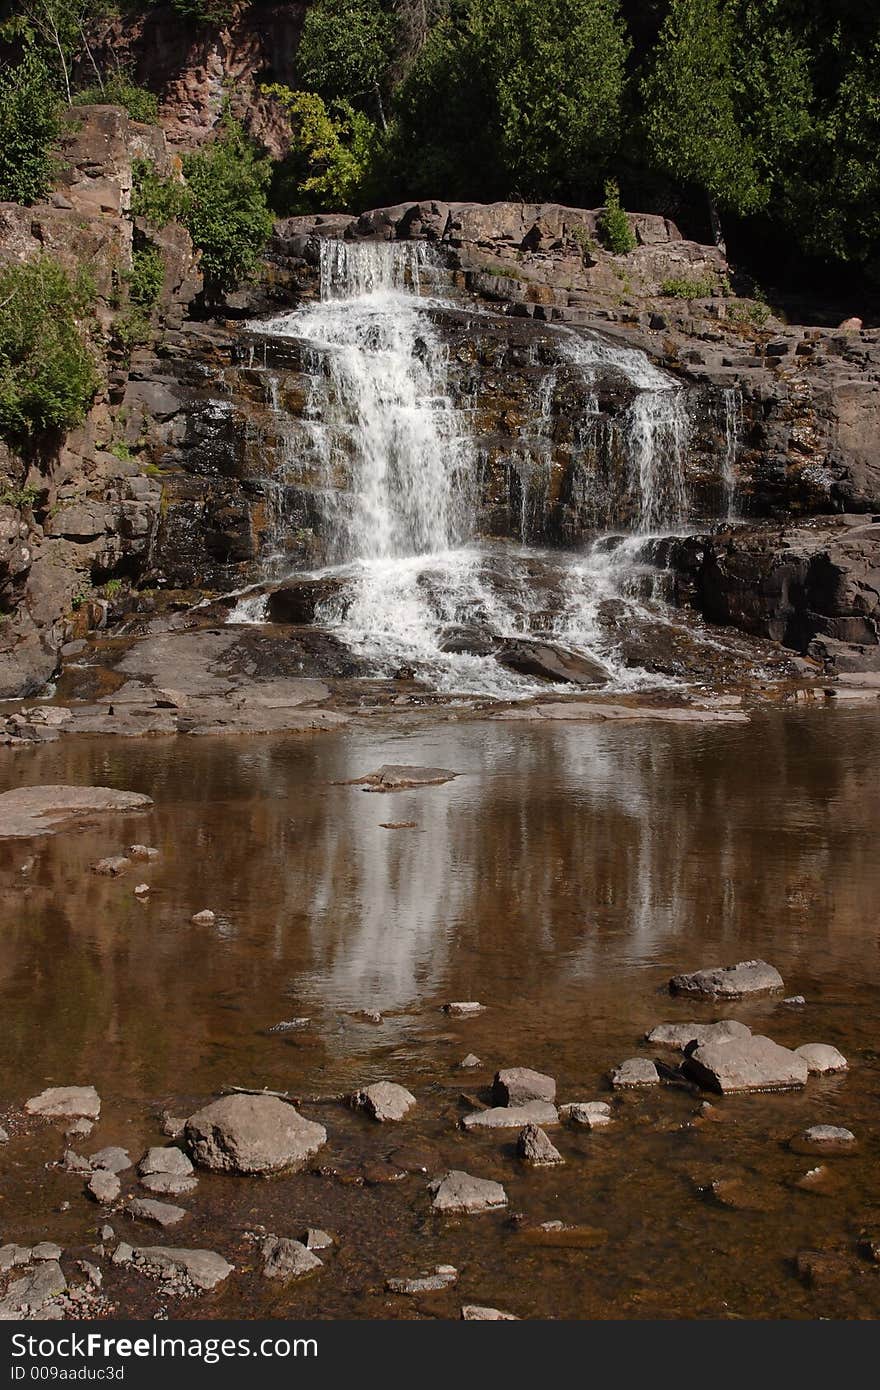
(4, 1137)
(635, 1071)
(463, 1008)
(205, 918)
(470, 1061)
(141, 890)
(795, 1000)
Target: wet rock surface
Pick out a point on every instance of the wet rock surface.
(519, 1085)
(252, 1134)
(749, 977)
(27, 811)
(753, 1064)
(384, 1101)
(460, 1193)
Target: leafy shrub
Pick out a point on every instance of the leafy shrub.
(612, 224)
(47, 371)
(158, 200)
(119, 90)
(30, 125)
(333, 147)
(146, 277)
(227, 211)
(683, 288)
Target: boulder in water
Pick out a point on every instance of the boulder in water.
(551, 663)
(297, 602)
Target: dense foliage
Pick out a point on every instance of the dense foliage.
(47, 371)
(30, 124)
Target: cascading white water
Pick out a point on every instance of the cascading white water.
(733, 420)
(398, 477)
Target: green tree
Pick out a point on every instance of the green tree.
(345, 50)
(30, 126)
(726, 100)
(47, 371)
(520, 96)
(332, 152)
(225, 208)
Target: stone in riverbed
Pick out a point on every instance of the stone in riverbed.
(170, 1184)
(444, 1277)
(205, 918)
(748, 977)
(144, 852)
(634, 1072)
(534, 1147)
(28, 1297)
(28, 811)
(316, 1239)
(463, 1008)
(478, 1312)
(821, 1058)
(203, 1268)
(592, 1114)
(827, 1137)
(458, 1192)
(539, 1112)
(749, 1064)
(392, 778)
(252, 1134)
(470, 1061)
(4, 1136)
(162, 1214)
(103, 1186)
(114, 1159)
(287, 1259)
(165, 1159)
(519, 1085)
(61, 1101)
(112, 867)
(384, 1101)
(795, 1000)
(551, 663)
(681, 1035)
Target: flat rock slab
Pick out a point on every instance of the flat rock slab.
(596, 710)
(458, 1192)
(384, 1101)
(827, 1138)
(27, 811)
(59, 1102)
(170, 1184)
(27, 1297)
(822, 1058)
(252, 1134)
(538, 1112)
(165, 1158)
(681, 1035)
(392, 778)
(162, 1214)
(519, 1085)
(748, 977)
(204, 1268)
(288, 1259)
(478, 1312)
(750, 1064)
(633, 1073)
(444, 1277)
(463, 1008)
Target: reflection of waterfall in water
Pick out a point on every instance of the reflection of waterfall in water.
(398, 473)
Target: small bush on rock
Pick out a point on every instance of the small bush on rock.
(30, 125)
(119, 90)
(612, 224)
(47, 371)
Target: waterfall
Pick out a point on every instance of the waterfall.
(733, 418)
(395, 479)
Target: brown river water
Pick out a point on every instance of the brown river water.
(561, 880)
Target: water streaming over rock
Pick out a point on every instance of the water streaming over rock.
(398, 466)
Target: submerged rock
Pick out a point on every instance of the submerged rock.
(539, 1112)
(393, 778)
(519, 1085)
(463, 1008)
(205, 918)
(469, 1062)
(729, 981)
(252, 1134)
(384, 1101)
(27, 811)
(458, 1192)
(444, 1277)
(592, 1114)
(827, 1137)
(145, 852)
(681, 1035)
(533, 1146)
(162, 1214)
(750, 1064)
(288, 1259)
(636, 1071)
(112, 867)
(61, 1101)
(821, 1058)
(477, 1312)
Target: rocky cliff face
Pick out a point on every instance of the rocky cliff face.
(191, 469)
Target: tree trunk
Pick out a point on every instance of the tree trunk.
(715, 224)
